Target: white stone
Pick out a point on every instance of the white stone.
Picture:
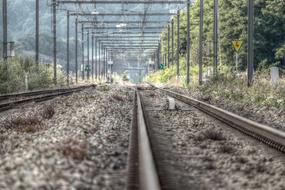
(171, 103)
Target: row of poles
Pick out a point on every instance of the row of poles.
(100, 53)
(170, 32)
(99, 49)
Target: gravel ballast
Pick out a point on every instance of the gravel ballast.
(71, 142)
(195, 151)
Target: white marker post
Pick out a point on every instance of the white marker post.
(274, 71)
(237, 61)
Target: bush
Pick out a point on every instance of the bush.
(12, 78)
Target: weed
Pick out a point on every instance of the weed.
(29, 124)
(260, 168)
(226, 149)
(117, 97)
(48, 112)
(212, 135)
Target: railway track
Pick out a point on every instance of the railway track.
(147, 167)
(9, 101)
(266, 134)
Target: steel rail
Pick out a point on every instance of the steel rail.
(120, 2)
(122, 14)
(142, 171)
(120, 22)
(124, 28)
(40, 96)
(266, 134)
(121, 33)
(37, 92)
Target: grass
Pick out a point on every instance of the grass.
(228, 86)
(235, 89)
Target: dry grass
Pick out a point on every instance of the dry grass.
(226, 149)
(48, 112)
(74, 149)
(28, 124)
(145, 88)
(210, 134)
(118, 97)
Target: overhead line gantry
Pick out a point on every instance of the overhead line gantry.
(141, 33)
(120, 2)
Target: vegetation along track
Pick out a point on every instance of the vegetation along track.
(266, 134)
(8, 101)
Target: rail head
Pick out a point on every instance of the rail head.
(148, 176)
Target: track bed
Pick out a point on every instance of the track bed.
(194, 151)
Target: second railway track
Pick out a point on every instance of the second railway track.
(188, 149)
(9, 101)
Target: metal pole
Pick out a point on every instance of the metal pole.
(172, 42)
(216, 12)
(54, 44)
(201, 42)
(67, 50)
(5, 32)
(88, 57)
(76, 50)
(168, 46)
(250, 50)
(96, 60)
(99, 64)
(82, 49)
(92, 69)
(106, 63)
(188, 45)
(37, 30)
(104, 54)
(158, 56)
(178, 45)
(237, 56)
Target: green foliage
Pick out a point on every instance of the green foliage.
(125, 78)
(14, 73)
(169, 73)
(269, 32)
(234, 89)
